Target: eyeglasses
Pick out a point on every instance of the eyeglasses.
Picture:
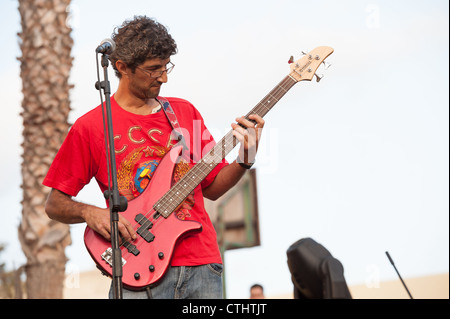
(157, 74)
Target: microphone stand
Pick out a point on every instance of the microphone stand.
(117, 203)
(401, 279)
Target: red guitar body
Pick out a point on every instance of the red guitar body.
(146, 259)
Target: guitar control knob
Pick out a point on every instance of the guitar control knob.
(151, 268)
(160, 255)
(137, 276)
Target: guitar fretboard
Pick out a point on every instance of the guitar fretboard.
(178, 193)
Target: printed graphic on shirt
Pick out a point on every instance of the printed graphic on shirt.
(137, 168)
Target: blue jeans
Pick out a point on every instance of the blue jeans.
(183, 282)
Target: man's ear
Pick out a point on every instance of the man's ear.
(122, 67)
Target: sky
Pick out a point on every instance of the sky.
(359, 161)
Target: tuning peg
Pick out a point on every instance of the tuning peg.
(326, 65)
(309, 55)
(291, 60)
(318, 77)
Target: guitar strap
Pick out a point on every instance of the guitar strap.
(173, 121)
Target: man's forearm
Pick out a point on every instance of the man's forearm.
(63, 208)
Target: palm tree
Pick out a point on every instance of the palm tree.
(46, 45)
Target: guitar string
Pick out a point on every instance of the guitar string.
(262, 108)
(274, 94)
(259, 107)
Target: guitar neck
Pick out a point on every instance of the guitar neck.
(178, 193)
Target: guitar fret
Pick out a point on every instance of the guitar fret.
(281, 87)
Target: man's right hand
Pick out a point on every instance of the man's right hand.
(63, 208)
(99, 220)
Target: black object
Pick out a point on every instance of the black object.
(401, 279)
(316, 274)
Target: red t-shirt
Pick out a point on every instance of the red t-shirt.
(140, 142)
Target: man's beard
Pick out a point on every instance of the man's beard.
(145, 93)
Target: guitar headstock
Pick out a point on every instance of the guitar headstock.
(305, 68)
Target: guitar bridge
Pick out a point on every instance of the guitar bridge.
(107, 256)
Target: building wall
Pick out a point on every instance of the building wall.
(92, 285)
(429, 287)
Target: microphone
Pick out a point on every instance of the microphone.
(107, 46)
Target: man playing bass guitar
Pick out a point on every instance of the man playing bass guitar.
(143, 135)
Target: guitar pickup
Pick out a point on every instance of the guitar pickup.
(143, 221)
(148, 236)
(131, 248)
(143, 231)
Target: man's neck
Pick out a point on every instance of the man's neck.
(134, 104)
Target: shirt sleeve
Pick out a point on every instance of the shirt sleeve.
(73, 165)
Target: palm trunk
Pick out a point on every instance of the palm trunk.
(45, 66)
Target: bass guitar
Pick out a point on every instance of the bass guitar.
(146, 259)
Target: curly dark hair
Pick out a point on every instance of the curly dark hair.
(140, 39)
